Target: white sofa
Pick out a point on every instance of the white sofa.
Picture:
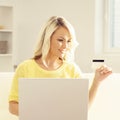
(106, 105)
(5, 83)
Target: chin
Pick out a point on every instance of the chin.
(61, 57)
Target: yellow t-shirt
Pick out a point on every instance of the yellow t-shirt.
(30, 69)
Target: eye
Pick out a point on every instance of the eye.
(61, 40)
(69, 41)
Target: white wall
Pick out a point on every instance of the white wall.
(112, 59)
(30, 15)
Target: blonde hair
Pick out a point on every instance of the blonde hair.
(47, 31)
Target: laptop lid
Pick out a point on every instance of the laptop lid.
(53, 99)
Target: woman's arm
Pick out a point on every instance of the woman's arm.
(100, 74)
(13, 107)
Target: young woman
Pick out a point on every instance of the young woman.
(54, 58)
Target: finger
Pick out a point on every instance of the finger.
(106, 70)
(102, 68)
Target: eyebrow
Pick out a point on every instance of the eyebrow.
(64, 38)
(61, 37)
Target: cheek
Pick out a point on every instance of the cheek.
(54, 47)
(57, 45)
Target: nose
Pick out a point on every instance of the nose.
(64, 45)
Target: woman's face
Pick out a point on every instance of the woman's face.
(60, 43)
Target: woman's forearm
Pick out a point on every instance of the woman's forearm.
(100, 74)
(93, 91)
(13, 108)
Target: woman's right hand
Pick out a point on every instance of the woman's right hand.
(13, 107)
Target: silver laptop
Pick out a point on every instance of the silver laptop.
(53, 99)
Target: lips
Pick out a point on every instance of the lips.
(63, 51)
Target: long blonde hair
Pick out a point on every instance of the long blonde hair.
(43, 45)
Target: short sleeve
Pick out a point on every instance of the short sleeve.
(19, 73)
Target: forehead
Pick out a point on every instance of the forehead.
(62, 32)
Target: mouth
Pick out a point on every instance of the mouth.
(62, 51)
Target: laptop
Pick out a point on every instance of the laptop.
(53, 99)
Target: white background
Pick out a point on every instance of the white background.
(83, 14)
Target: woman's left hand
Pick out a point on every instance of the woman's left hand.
(102, 73)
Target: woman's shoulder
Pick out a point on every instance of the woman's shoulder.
(71, 65)
(73, 68)
(26, 63)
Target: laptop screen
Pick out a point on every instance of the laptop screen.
(53, 99)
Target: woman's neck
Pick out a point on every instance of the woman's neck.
(50, 64)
